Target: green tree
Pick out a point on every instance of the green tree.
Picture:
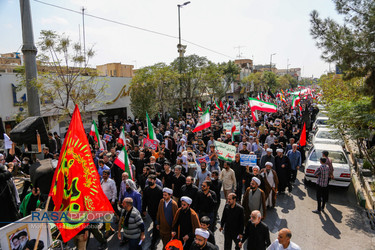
(349, 45)
(64, 76)
(152, 89)
(195, 77)
(287, 81)
(255, 79)
(269, 79)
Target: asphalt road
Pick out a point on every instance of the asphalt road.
(344, 225)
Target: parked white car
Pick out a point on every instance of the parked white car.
(319, 123)
(326, 135)
(340, 162)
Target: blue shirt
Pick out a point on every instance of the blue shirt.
(295, 158)
(137, 198)
(100, 170)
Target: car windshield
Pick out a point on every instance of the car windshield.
(335, 156)
(321, 122)
(326, 135)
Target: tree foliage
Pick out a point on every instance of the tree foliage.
(64, 76)
(152, 89)
(350, 45)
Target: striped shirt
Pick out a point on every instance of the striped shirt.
(135, 226)
(322, 173)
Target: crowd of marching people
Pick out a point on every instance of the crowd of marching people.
(180, 195)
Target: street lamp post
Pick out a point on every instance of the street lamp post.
(181, 48)
(271, 61)
(287, 66)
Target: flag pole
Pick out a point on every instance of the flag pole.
(40, 229)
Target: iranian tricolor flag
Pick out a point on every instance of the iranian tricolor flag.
(233, 128)
(123, 162)
(150, 129)
(204, 121)
(258, 96)
(199, 107)
(255, 104)
(296, 99)
(228, 107)
(122, 138)
(254, 114)
(95, 134)
(221, 105)
(217, 106)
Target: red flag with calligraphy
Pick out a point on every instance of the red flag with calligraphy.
(76, 183)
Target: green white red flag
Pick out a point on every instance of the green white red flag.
(233, 129)
(296, 99)
(150, 129)
(217, 106)
(75, 188)
(122, 138)
(254, 114)
(199, 107)
(204, 122)
(95, 134)
(221, 105)
(123, 162)
(255, 104)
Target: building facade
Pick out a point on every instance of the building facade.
(115, 70)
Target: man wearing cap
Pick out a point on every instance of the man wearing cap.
(254, 199)
(270, 182)
(268, 157)
(185, 222)
(283, 171)
(200, 241)
(166, 211)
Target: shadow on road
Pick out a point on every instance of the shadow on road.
(329, 226)
(274, 222)
(286, 202)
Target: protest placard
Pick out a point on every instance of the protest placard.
(152, 144)
(225, 151)
(248, 160)
(227, 127)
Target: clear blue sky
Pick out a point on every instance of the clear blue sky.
(261, 27)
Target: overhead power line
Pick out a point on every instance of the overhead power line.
(132, 26)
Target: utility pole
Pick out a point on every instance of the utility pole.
(271, 61)
(180, 49)
(29, 54)
(84, 35)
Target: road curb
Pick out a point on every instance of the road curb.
(360, 191)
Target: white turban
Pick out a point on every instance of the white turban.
(256, 180)
(279, 150)
(186, 199)
(256, 167)
(168, 191)
(201, 232)
(269, 150)
(268, 163)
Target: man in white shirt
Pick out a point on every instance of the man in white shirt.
(228, 177)
(109, 189)
(283, 241)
